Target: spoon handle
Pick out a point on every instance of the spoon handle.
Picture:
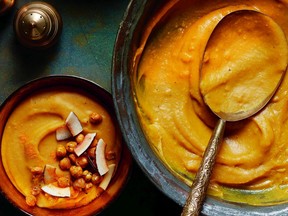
(197, 194)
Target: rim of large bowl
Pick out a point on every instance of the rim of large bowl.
(122, 94)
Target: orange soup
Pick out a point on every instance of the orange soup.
(252, 165)
(45, 167)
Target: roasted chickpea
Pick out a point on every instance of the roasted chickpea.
(82, 161)
(92, 152)
(110, 155)
(79, 184)
(37, 170)
(96, 179)
(63, 182)
(31, 200)
(70, 146)
(95, 118)
(88, 186)
(60, 151)
(72, 158)
(94, 143)
(87, 175)
(79, 138)
(35, 190)
(76, 171)
(65, 163)
(36, 179)
(85, 172)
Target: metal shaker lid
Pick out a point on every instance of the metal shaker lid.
(37, 25)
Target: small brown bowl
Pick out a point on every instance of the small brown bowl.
(123, 170)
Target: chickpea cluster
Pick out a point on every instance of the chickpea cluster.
(82, 175)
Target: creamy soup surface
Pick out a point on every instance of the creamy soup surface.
(29, 141)
(252, 166)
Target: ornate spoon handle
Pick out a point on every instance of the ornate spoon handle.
(200, 184)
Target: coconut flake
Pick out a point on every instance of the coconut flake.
(63, 133)
(74, 124)
(56, 191)
(100, 157)
(49, 174)
(107, 177)
(82, 147)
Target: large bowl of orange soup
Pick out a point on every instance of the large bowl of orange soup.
(62, 152)
(156, 68)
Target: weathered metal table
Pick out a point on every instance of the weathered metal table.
(84, 49)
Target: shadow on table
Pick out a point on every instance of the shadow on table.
(142, 198)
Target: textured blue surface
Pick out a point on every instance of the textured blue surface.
(84, 49)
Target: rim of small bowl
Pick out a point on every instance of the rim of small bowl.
(128, 38)
(123, 171)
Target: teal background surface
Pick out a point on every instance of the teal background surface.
(84, 49)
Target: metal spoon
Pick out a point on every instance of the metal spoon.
(267, 34)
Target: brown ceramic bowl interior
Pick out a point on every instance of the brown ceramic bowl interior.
(118, 181)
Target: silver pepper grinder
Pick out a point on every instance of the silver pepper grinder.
(37, 25)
